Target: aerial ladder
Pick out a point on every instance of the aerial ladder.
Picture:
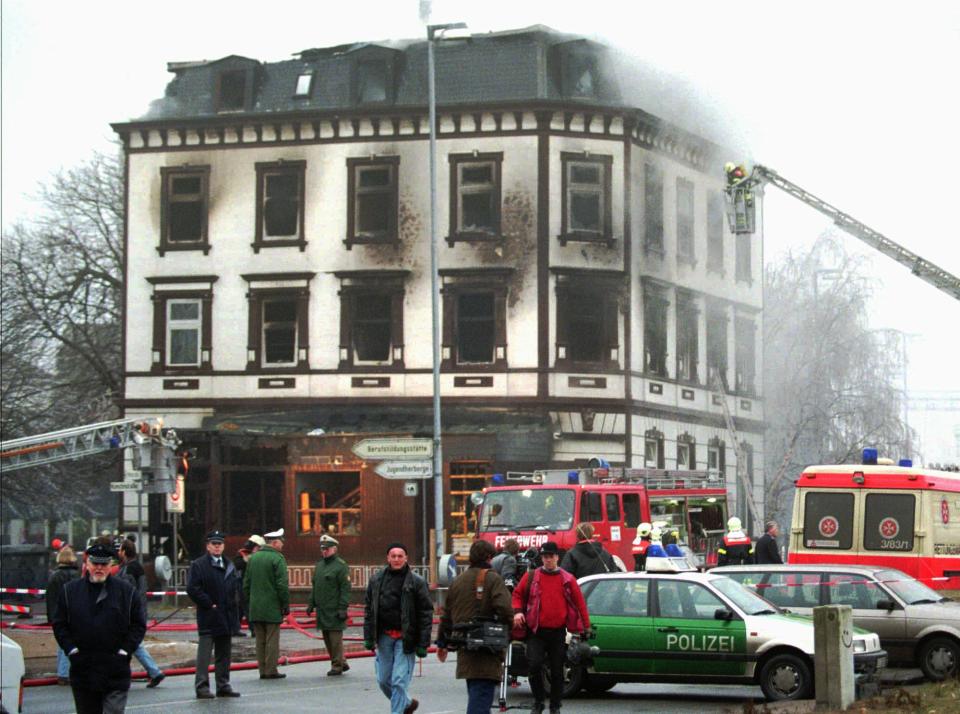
(741, 213)
(155, 449)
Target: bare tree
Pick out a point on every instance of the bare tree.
(62, 274)
(830, 382)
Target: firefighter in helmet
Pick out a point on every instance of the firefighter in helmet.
(736, 548)
(640, 545)
(735, 173)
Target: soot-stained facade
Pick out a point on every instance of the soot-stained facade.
(278, 280)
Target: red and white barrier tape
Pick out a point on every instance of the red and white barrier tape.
(20, 609)
(37, 591)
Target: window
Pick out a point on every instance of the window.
(590, 506)
(280, 200)
(371, 319)
(853, 589)
(475, 196)
(586, 211)
(304, 85)
(619, 597)
(743, 271)
(588, 320)
(232, 90)
(717, 342)
(686, 452)
(474, 318)
(183, 208)
(372, 200)
(688, 344)
(655, 307)
(631, 510)
(670, 511)
(613, 507)
(250, 500)
(372, 86)
(183, 333)
(716, 458)
(828, 520)
(329, 502)
(888, 522)
(745, 355)
(685, 222)
(684, 599)
(278, 325)
(466, 478)
(581, 78)
(715, 212)
(785, 589)
(653, 449)
(652, 209)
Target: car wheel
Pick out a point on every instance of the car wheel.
(598, 684)
(939, 658)
(786, 676)
(572, 679)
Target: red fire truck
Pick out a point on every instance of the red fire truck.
(877, 513)
(547, 505)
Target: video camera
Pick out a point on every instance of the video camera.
(481, 634)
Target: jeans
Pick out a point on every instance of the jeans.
(63, 664)
(480, 695)
(147, 661)
(394, 671)
(547, 644)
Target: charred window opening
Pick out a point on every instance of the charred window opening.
(474, 196)
(745, 355)
(685, 224)
(184, 208)
(743, 271)
(280, 331)
(329, 502)
(717, 343)
(715, 212)
(653, 456)
(184, 323)
(585, 327)
(280, 200)
(655, 308)
(373, 200)
(372, 85)
(588, 320)
(252, 501)
(688, 344)
(233, 90)
(652, 208)
(372, 327)
(686, 452)
(475, 328)
(582, 75)
(586, 198)
(466, 478)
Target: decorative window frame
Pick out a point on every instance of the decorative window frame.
(457, 282)
(605, 163)
(654, 436)
(686, 441)
(264, 169)
(716, 220)
(262, 287)
(165, 289)
(653, 226)
(608, 286)
(686, 223)
(392, 235)
(167, 176)
(656, 292)
(716, 444)
(455, 234)
(366, 282)
(687, 306)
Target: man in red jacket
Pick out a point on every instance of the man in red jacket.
(548, 600)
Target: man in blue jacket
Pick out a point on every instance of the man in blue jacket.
(99, 622)
(214, 585)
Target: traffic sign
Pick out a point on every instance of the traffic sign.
(405, 470)
(403, 449)
(124, 485)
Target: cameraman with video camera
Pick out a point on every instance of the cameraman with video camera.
(476, 596)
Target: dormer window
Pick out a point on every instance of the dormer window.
(232, 92)
(582, 75)
(304, 85)
(580, 70)
(371, 81)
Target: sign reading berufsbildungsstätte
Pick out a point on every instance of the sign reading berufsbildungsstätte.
(394, 449)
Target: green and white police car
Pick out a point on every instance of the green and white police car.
(693, 627)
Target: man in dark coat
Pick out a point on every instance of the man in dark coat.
(99, 622)
(587, 557)
(478, 591)
(766, 551)
(397, 622)
(329, 598)
(214, 585)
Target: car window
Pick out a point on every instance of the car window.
(791, 589)
(909, 590)
(853, 589)
(684, 599)
(743, 597)
(619, 597)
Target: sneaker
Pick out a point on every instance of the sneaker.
(154, 681)
(334, 672)
(205, 694)
(411, 707)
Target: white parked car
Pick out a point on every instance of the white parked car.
(11, 675)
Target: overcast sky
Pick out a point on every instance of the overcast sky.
(857, 102)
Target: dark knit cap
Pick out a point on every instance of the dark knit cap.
(397, 544)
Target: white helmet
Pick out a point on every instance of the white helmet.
(644, 529)
(655, 534)
(734, 524)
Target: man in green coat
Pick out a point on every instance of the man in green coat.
(267, 590)
(329, 598)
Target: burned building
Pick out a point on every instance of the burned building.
(278, 281)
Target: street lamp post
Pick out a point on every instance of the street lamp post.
(433, 31)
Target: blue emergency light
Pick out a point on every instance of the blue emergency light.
(905, 462)
(497, 480)
(573, 478)
(870, 456)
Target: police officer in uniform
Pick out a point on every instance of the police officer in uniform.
(736, 548)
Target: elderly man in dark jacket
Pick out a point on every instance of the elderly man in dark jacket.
(397, 623)
(587, 557)
(479, 591)
(99, 623)
(214, 585)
